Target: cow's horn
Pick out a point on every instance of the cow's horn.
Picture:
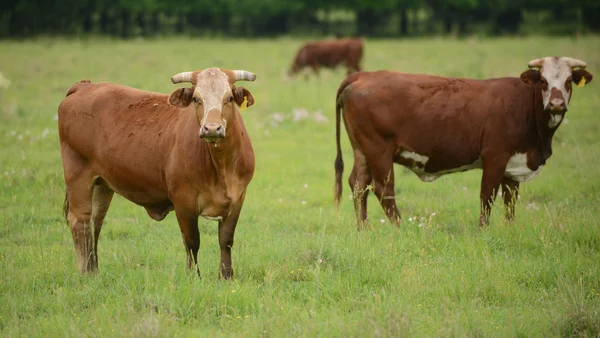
(242, 75)
(574, 63)
(182, 77)
(238, 75)
(535, 63)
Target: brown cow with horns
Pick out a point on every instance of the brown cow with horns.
(188, 151)
(435, 125)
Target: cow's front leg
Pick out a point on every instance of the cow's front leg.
(510, 192)
(493, 173)
(226, 232)
(315, 68)
(188, 224)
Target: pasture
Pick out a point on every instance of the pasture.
(301, 269)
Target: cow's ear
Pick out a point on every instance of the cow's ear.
(181, 97)
(243, 97)
(531, 76)
(581, 77)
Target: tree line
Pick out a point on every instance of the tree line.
(250, 18)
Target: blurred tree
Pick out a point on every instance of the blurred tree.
(127, 18)
(403, 6)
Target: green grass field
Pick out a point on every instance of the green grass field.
(301, 268)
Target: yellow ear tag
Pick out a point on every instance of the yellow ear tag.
(581, 83)
(244, 104)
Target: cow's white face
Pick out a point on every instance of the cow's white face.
(556, 84)
(555, 76)
(214, 98)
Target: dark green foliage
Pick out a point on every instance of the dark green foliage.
(248, 18)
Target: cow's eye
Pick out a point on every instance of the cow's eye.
(544, 83)
(230, 98)
(196, 100)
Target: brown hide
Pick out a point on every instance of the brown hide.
(436, 125)
(329, 54)
(120, 139)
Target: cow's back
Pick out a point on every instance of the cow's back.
(92, 113)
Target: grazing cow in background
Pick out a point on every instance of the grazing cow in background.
(436, 125)
(329, 53)
(188, 151)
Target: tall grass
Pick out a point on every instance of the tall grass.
(301, 269)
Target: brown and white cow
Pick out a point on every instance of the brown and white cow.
(188, 151)
(329, 53)
(436, 125)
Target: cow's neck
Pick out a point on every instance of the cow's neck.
(542, 134)
(226, 157)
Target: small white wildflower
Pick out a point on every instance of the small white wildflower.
(299, 114)
(45, 133)
(13, 133)
(465, 189)
(277, 117)
(420, 225)
(20, 137)
(382, 220)
(319, 117)
(410, 219)
(303, 202)
(433, 214)
(305, 185)
(565, 121)
(280, 200)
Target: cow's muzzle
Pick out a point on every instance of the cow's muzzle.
(212, 131)
(556, 106)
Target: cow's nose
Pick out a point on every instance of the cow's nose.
(212, 130)
(558, 105)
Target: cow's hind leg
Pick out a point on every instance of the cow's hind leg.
(360, 178)
(382, 169)
(101, 197)
(86, 204)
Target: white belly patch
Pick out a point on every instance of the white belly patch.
(419, 162)
(517, 168)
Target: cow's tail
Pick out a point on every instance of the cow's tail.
(66, 209)
(339, 162)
